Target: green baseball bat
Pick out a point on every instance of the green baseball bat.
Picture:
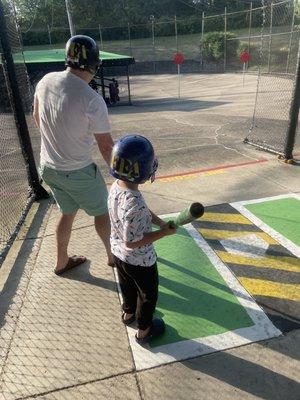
(194, 211)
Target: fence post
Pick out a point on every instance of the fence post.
(15, 97)
(176, 33)
(250, 27)
(100, 36)
(153, 41)
(225, 38)
(129, 38)
(270, 38)
(49, 35)
(101, 71)
(291, 39)
(202, 38)
(294, 113)
(128, 85)
(70, 19)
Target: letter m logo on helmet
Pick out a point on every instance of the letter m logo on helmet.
(126, 168)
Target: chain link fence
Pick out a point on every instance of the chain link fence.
(51, 335)
(13, 177)
(278, 55)
(15, 120)
(210, 43)
(153, 44)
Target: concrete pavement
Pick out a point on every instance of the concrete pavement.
(62, 338)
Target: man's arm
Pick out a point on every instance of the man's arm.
(105, 145)
(36, 114)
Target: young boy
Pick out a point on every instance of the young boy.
(133, 163)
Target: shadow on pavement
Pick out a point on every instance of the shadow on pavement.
(83, 274)
(247, 376)
(18, 270)
(167, 104)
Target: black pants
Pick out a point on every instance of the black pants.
(139, 286)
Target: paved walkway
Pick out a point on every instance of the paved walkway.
(61, 338)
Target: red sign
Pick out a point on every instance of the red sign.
(178, 58)
(245, 57)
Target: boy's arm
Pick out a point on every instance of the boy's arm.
(158, 221)
(151, 237)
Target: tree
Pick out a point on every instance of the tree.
(89, 13)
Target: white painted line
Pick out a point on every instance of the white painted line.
(262, 328)
(287, 243)
(264, 199)
(250, 245)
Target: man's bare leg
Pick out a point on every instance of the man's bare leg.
(63, 234)
(102, 225)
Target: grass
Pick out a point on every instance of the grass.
(165, 46)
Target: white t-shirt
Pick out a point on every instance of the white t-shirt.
(130, 220)
(70, 113)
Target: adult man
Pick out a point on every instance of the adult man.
(70, 114)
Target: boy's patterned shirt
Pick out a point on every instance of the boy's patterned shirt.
(130, 220)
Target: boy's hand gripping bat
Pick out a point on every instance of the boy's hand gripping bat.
(194, 211)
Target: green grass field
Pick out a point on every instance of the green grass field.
(165, 46)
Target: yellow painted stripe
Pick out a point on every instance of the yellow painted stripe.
(291, 264)
(217, 234)
(225, 218)
(258, 287)
(216, 172)
(175, 178)
(188, 176)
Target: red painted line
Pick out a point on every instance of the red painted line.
(226, 166)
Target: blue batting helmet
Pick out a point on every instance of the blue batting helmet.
(133, 159)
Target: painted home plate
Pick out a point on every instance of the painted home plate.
(203, 305)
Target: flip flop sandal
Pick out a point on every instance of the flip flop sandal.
(158, 327)
(129, 320)
(73, 262)
(111, 264)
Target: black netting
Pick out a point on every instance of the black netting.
(14, 186)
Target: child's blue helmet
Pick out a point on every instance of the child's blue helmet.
(133, 159)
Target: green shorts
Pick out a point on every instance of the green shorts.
(78, 189)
